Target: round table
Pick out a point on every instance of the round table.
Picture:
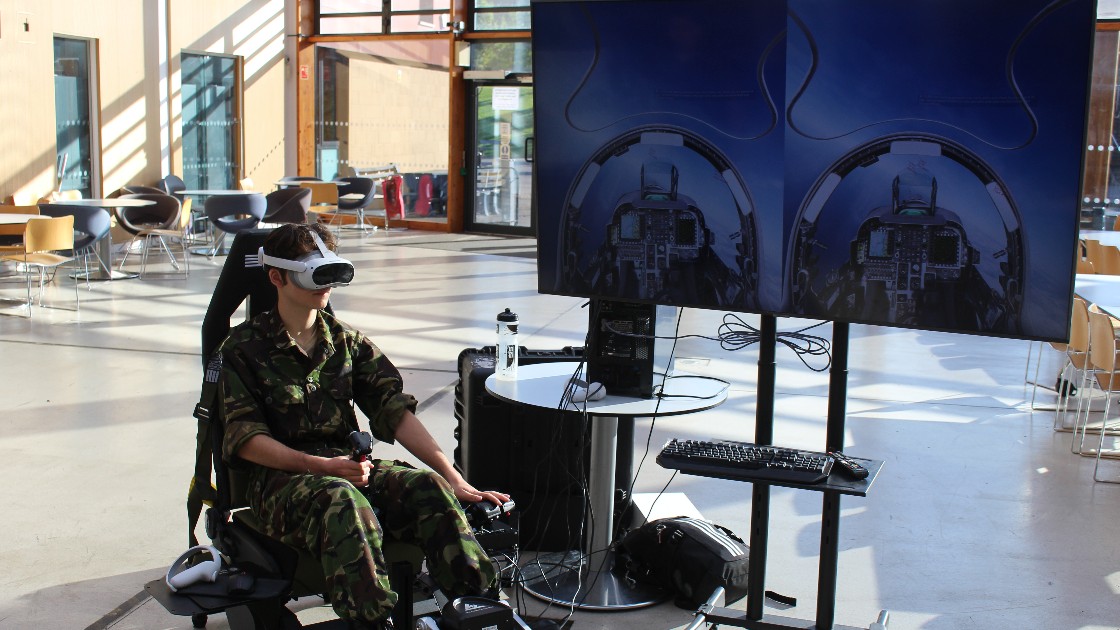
(105, 245)
(585, 579)
(16, 219)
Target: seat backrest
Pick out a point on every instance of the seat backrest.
(423, 205)
(49, 234)
(163, 214)
(22, 198)
(363, 186)
(322, 192)
(185, 214)
(393, 194)
(1102, 341)
(135, 189)
(222, 210)
(287, 205)
(1085, 266)
(1110, 261)
(1079, 326)
(90, 223)
(172, 184)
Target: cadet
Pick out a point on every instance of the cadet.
(291, 377)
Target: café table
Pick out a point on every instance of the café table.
(16, 219)
(1100, 289)
(105, 245)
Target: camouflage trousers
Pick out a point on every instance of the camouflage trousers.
(335, 521)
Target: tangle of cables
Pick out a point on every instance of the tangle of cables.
(735, 334)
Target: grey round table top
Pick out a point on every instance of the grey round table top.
(106, 203)
(16, 219)
(543, 385)
(213, 192)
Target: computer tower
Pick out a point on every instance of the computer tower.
(624, 352)
(540, 456)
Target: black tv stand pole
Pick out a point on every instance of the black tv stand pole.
(760, 506)
(763, 434)
(830, 503)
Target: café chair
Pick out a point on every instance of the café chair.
(179, 232)
(324, 198)
(424, 189)
(22, 198)
(164, 214)
(42, 238)
(1109, 261)
(393, 194)
(287, 205)
(172, 184)
(1094, 252)
(363, 186)
(1103, 355)
(233, 214)
(90, 226)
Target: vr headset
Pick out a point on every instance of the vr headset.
(314, 270)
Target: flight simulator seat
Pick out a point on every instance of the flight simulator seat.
(256, 576)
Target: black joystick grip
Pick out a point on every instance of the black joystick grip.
(361, 445)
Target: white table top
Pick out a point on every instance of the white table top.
(106, 203)
(16, 219)
(213, 192)
(1102, 290)
(1106, 237)
(543, 384)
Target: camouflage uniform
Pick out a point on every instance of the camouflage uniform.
(306, 403)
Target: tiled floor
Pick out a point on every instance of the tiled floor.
(981, 519)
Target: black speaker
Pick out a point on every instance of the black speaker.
(540, 456)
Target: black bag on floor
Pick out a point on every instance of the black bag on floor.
(688, 556)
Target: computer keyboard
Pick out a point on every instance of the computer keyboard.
(745, 461)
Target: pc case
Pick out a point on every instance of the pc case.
(624, 352)
(540, 456)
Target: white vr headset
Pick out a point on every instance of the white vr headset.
(314, 270)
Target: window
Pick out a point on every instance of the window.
(211, 121)
(75, 125)
(501, 15)
(379, 17)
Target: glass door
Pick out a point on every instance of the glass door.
(211, 126)
(501, 174)
(74, 115)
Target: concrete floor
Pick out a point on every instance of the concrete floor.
(981, 518)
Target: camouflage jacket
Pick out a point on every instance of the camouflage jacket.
(307, 403)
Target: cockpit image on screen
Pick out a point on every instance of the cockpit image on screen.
(660, 216)
(659, 138)
(937, 245)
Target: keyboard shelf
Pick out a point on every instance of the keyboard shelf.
(836, 482)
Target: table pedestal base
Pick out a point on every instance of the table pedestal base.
(570, 579)
(101, 276)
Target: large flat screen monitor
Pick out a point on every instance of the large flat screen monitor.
(912, 164)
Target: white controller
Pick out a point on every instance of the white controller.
(181, 575)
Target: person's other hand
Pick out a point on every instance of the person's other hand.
(468, 493)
